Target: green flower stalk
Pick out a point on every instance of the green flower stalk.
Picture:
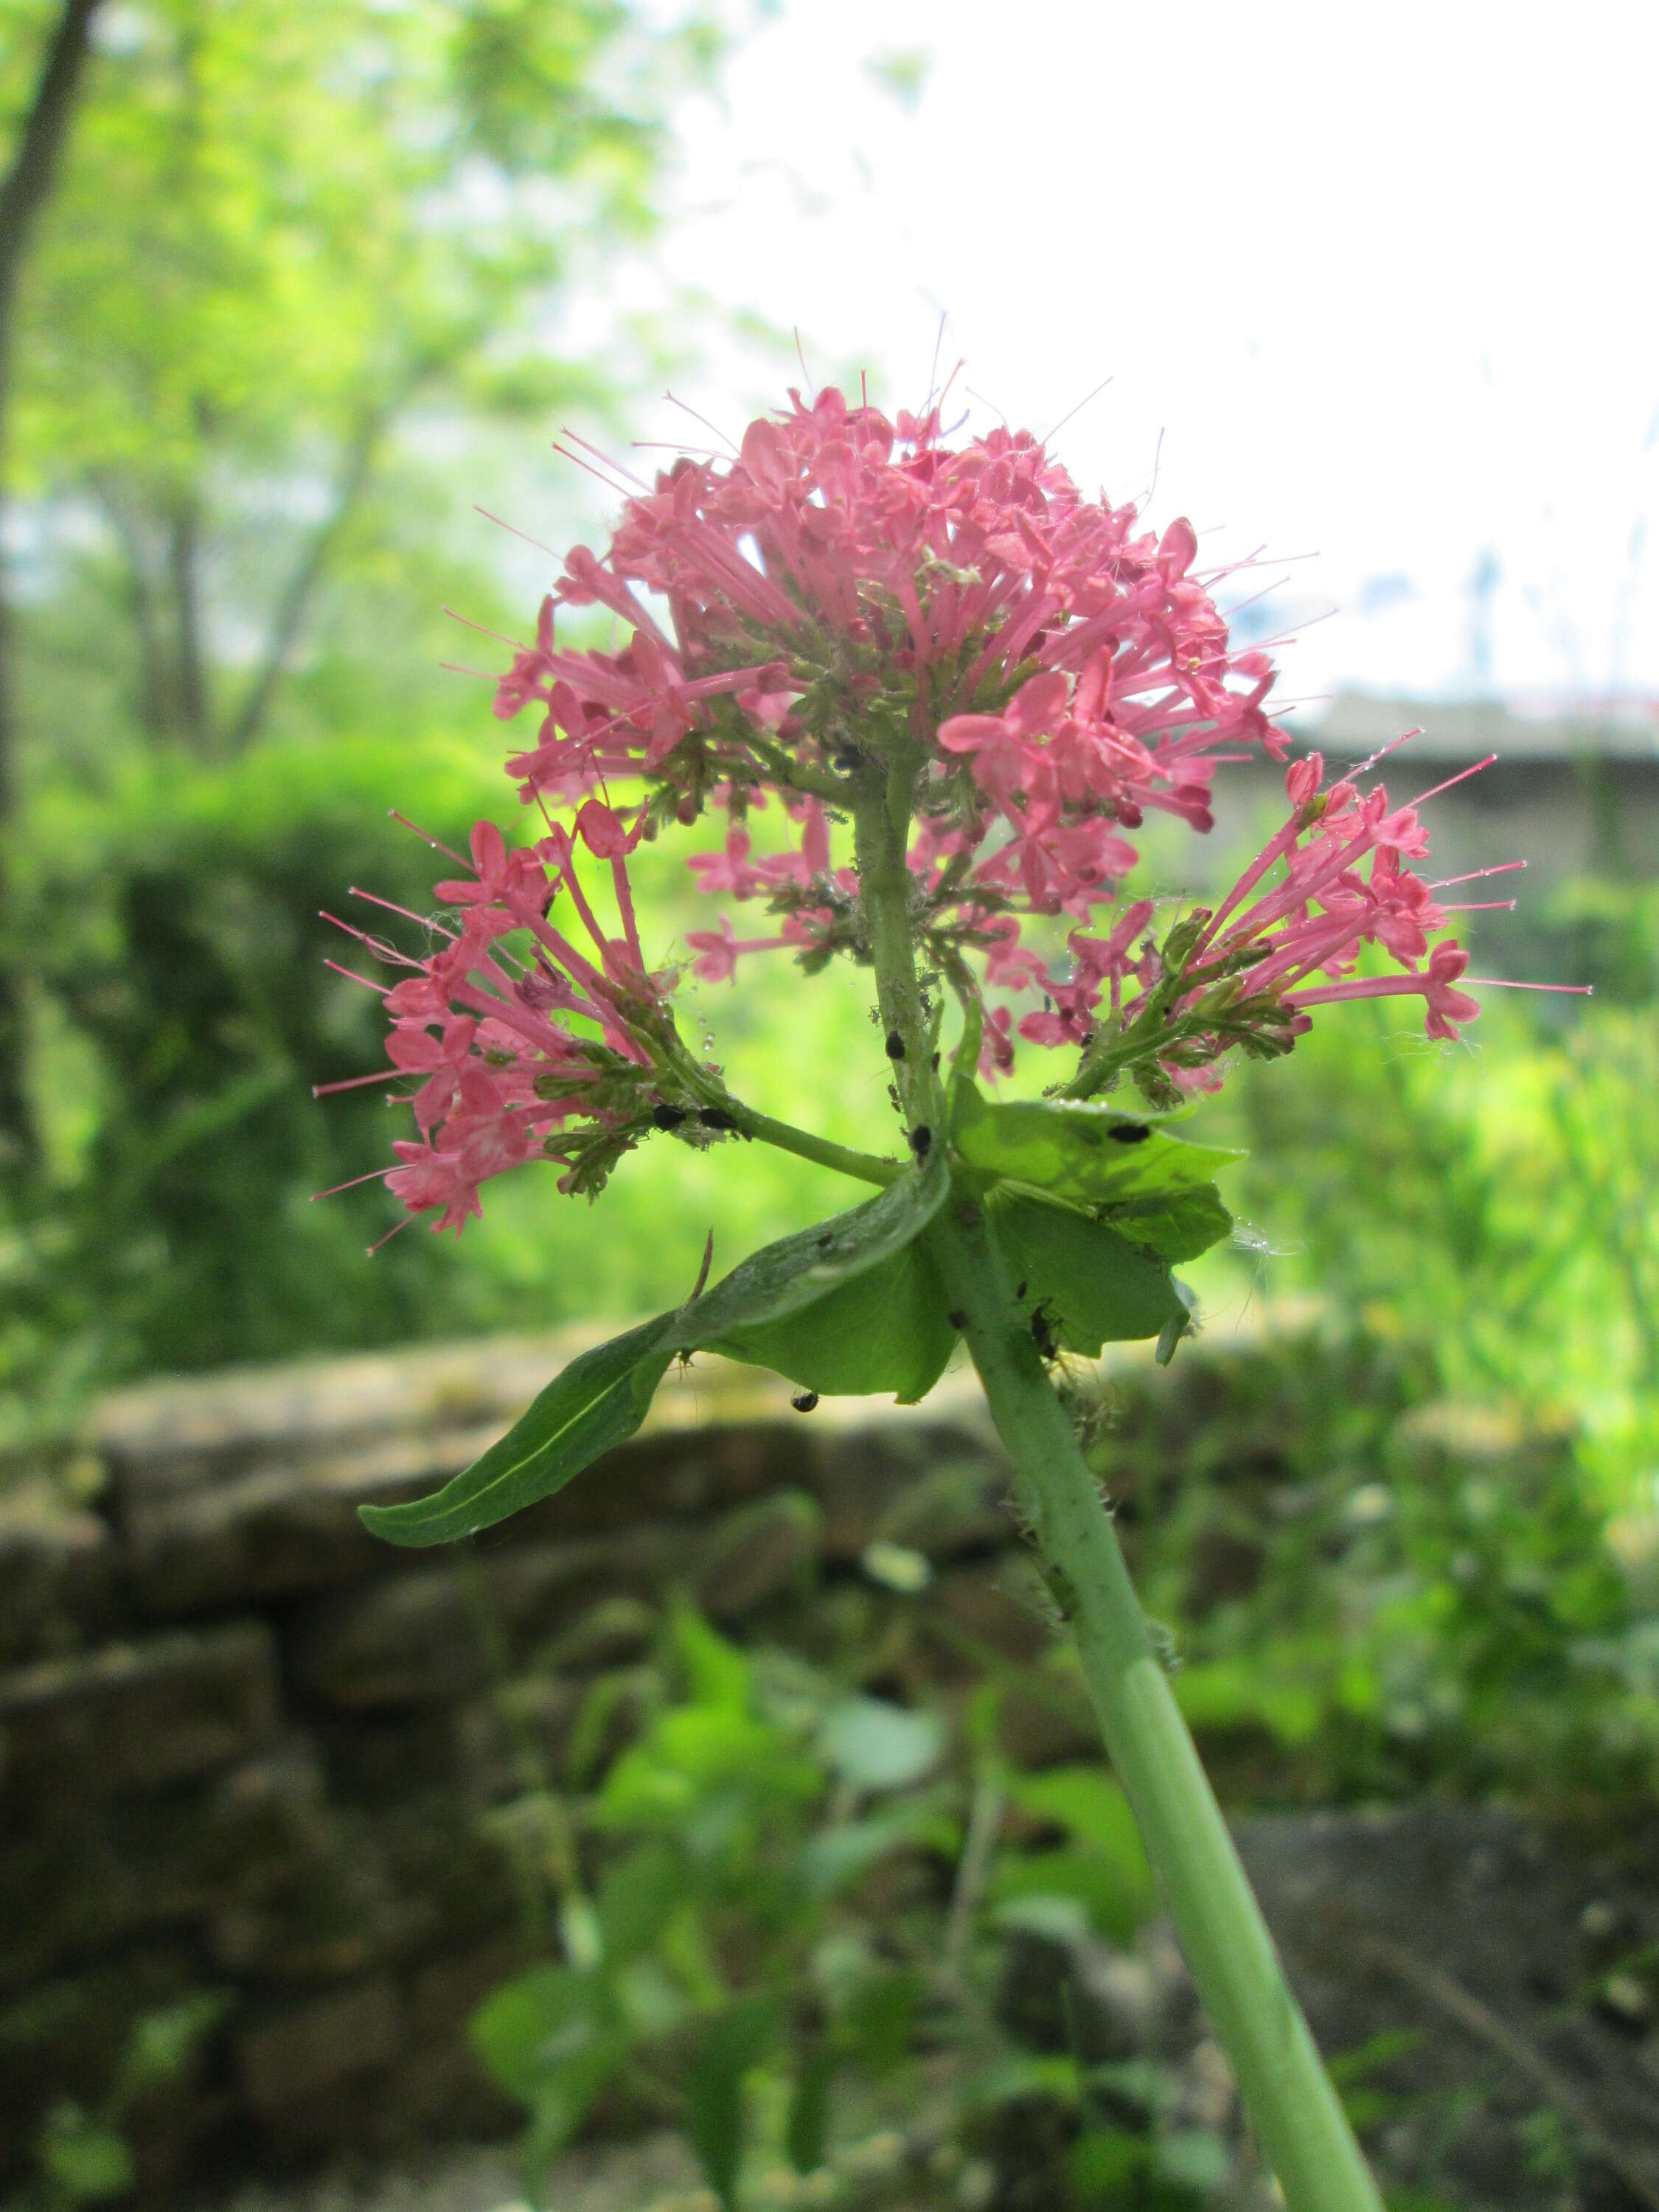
(949, 688)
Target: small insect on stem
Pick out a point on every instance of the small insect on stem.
(803, 1400)
(922, 1139)
(958, 1319)
(894, 1045)
(1042, 1331)
(1128, 1133)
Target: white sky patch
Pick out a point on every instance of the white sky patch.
(1380, 280)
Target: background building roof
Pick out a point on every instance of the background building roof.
(1356, 723)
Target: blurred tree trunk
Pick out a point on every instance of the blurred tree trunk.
(24, 192)
(288, 617)
(184, 580)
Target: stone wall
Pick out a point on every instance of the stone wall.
(248, 1750)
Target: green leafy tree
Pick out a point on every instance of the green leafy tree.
(283, 258)
(278, 232)
(36, 145)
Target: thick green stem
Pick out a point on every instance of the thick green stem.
(881, 822)
(1295, 2112)
(784, 1134)
(1286, 2093)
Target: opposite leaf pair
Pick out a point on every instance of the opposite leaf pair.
(1089, 1206)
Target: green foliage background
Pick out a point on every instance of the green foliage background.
(297, 297)
(302, 293)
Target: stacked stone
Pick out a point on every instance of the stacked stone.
(249, 1751)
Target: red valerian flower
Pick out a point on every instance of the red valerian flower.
(529, 1041)
(853, 610)
(1041, 670)
(1332, 882)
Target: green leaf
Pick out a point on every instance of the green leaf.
(736, 2042)
(1232, 1693)
(85, 2160)
(597, 1402)
(835, 1858)
(1095, 1288)
(163, 2043)
(1093, 1811)
(795, 1305)
(638, 1899)
(1025, 1887)
(886, 1329)
(1104, 2164)
(564, 2097)
(551, 2039)
(878, 2020)
(716, 1672)
(806, 2129)
(875, 1746)
(1023, 2074)
(800, 1270)
(693, 1753)
(1158, 1190)
(530, 2028)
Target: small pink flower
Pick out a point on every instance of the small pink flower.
(505, 1039)
(1302, 779)
(1448, 1009)
(717, 952)
(604, 832)
(1176, 550)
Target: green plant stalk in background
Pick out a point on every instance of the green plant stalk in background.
(1287, 2094)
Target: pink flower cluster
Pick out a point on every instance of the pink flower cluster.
(521, 1043)
(848, 592)
(1332, 881)
(846, 613)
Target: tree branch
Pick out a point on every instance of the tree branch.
(28, 181)
(291, 607)
(141, 602)
(23, 194)
(183, 569)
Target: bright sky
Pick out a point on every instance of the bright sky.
(1381, 280)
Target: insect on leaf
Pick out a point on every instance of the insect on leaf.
(1090, 1286)
(1155, 1188)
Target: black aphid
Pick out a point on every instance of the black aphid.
(956, 1318)
(716, 1117)
(1128, 1133)
(803, 1400)
(922, 1139)
(894, 1045)
(667, 1117)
